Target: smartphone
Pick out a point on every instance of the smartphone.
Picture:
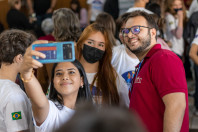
(55, 52)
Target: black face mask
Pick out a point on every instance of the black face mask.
(177, 9)
(92, 54)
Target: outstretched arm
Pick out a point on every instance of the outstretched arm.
(40, 104)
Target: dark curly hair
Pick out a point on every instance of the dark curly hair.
(12, 43)
(66, 25)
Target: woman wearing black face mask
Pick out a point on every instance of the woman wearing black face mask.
(94, 50)
(175, 20)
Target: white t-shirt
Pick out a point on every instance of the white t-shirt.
(123, 63)
(193, 8)
(55, 119)
(122, 90)
(132, 9)
(177, 44)
(96, 8)
(15, 108)
(124, 5)
(195, 40)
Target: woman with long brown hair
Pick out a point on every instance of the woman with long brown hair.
(94, 50)
(175, 20)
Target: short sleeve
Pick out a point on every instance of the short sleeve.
(48, 123)
(170, 22)
(122, 91)
(17, 113)
(195, 40)
(168, 75)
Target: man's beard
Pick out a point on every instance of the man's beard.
(144, 44)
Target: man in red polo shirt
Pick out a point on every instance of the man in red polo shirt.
(159, 89)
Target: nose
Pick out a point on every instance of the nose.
(65, 77)
(130, 34)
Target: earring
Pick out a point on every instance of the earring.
(81, 86)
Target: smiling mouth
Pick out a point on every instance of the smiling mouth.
(65, 84)
(133, 42)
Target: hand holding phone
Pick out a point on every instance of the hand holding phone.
(55, 52)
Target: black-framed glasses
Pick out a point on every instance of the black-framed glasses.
(134, 30)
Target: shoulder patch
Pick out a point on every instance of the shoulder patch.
(16, 115)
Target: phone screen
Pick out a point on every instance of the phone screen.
(49, 51)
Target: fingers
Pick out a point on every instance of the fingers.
(40, 42)
(37, 54)
(32, 62)
(29, 62)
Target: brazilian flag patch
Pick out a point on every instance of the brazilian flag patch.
(16, 115)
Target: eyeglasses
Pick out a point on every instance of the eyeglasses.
(134, 30)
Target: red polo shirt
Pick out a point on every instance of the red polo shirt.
(161, 73)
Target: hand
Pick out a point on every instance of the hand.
(50, 10)
(31, 20)
(180, 14)
(28, 62)
(31, 11)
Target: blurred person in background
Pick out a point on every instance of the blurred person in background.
(80, 12)
(155, 8)
(40, 10)
(47, 26)
(123, 60)
(117, 7)
(194, 56)
(175, 20)
(112, 119)
(17, 19)
(139, 5)
(193, 8)
(106, 20)
(95, 7)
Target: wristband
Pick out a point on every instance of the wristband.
(27, 80)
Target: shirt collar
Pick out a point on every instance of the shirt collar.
(155, 48)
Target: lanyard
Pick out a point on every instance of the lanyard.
(137, 70)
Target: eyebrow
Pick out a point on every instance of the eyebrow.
(95, 41)
(70, 69)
